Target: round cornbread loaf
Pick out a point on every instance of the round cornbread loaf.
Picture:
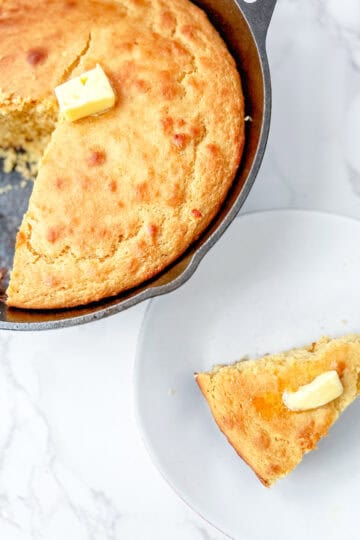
(121, 195)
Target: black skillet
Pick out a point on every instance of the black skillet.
(243, 26)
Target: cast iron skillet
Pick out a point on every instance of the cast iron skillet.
(243, 25)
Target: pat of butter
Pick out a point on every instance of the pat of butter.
(323, 389)
(90, 93)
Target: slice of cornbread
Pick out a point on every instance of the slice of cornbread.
(246, 400)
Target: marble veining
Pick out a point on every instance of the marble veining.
(72, 464)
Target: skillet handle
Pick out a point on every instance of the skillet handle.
(258, 14)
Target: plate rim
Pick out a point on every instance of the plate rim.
(141, 431)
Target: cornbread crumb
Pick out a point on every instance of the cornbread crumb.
(246, 402)
(24, 134)
(5, 189)
(21, 161)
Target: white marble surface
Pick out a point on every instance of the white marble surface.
(72, 465)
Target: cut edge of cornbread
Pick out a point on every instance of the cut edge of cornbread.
(25, 130)
(246, 402)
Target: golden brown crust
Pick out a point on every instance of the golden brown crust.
(37, 47)
(121, 195)
(246, 402)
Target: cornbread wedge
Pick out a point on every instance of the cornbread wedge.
(247, 402)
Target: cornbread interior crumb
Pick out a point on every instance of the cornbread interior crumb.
(24, 135)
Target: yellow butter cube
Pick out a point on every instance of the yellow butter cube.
(87, 94)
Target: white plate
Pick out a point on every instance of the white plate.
(275, 280)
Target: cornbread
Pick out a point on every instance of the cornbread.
(120, 195)
(246, 400)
